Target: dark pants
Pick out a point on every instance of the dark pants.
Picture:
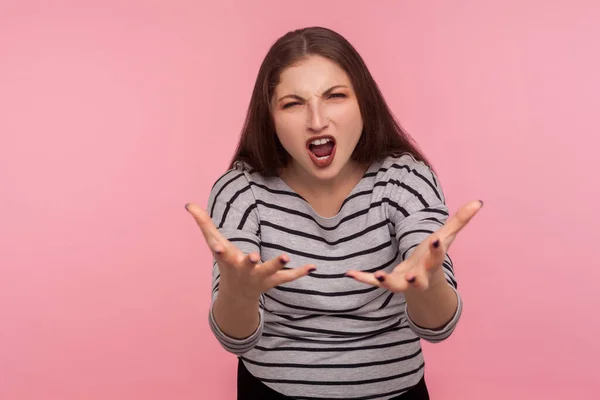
(250, 388)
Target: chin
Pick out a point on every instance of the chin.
(328, 173)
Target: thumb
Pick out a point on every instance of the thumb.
(437, 252)
(213, 238)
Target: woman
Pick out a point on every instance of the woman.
(329, 233)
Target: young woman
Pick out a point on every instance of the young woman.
(330, 235)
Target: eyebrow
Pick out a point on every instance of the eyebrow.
(325, 93)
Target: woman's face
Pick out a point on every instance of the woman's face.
(317, 117)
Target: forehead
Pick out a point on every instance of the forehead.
(312, 75)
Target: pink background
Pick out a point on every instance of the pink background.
(114, 114)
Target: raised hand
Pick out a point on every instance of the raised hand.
(244, 275)
(423, 268)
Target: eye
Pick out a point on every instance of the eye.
(337, 95)
(288, 105)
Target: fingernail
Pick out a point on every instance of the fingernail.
(380, 278)
(481, 203)
(313, 269)
(436, 244)
(186, 205)
(283, 261)
(412, 280)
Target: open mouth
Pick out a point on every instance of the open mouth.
(322, 150)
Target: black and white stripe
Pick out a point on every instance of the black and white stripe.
(326, 336)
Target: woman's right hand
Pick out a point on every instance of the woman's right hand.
(241, 274)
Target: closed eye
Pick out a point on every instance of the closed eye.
(288, 105)
(337, 95)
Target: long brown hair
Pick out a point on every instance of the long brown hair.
(382, 135)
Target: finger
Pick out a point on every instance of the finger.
(272, 266)
(418, 269)
(214, 239)
(250, 260)
(394, 282)
(435, 254)
(366, 277)
(289, 275)
(459, 220)
(463, 216)
(417, 278)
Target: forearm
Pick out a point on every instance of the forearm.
(434, 307)
(236, 317)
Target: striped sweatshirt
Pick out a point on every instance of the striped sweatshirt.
(325, 335)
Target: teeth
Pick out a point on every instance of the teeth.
(322, 158)
(320, 141)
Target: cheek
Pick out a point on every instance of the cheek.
(287, 140)
(356, 116)
(349, 116)
(289, 131)
(358, 123)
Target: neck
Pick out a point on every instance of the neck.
(309, 186)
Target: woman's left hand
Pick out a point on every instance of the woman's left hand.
(423, 269)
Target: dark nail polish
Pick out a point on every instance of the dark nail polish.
(186, 205)
(380, 278)
(481, 202)
(283, 261)
(412, 280)
(436, 244)
(312, 270)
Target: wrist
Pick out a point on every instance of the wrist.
(236, 317)
(437, 280)
(437, 292)
(434, 307)
(236, 298)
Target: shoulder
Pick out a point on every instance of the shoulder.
(231, 203)
(407, 177)
(235, 185)
(401, 165)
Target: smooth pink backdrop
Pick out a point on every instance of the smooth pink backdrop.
(114, 114)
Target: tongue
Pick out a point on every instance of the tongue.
(322, 150)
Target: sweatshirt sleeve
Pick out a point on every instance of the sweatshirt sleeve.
(417, 209)
(232, 208)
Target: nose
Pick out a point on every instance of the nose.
(317, 120)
